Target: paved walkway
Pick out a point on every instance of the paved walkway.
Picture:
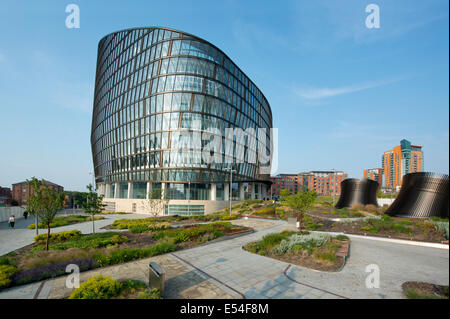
(224, 270)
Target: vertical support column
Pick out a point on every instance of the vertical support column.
(241, 191)
(116, 190)
(130, 190)
(149, 190)
(226, 191)
(213, 191)
(163, 190)
(107, 190)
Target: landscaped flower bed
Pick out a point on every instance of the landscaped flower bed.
(33, 263)
(130, 223)
(429, 230)
(312, 250)
(104, 287)
(67, 220)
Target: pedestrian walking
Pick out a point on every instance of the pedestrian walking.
(11, 221)
(25, 214)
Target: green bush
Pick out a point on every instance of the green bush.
(99, 240)
(150, 294)
(6, 271)
(128, 254)
(270, 240)
(97, 287)
(265, 211)
(341, 237)
(61, 236)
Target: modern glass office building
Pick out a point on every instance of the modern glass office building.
(157, 88)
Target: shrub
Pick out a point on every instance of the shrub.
(150, 294)
(51, 270)
(97, 287)
(306, 241)
(159, 226)
(61, 236)
(357, 206)
(90, 241)
(270, 240)
(6, 272)
(265, 211)
(341, 237)
(118, 256)
(443, 227)
(371, 208)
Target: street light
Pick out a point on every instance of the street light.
(334, 184)
(230, 195)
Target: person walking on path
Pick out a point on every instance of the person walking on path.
(12, 221)
(25, 214)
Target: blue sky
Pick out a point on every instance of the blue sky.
(340, 93)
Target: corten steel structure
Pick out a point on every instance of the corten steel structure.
(355, 191)
(153, 82)
(422, 195)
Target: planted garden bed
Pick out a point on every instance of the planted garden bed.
(427, 230)
(424, 290)
(33, 263)
(104, 287)
(311, 250)
(67, 220)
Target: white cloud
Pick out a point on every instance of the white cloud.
(320, 93)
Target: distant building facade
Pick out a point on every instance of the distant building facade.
(22, 191)
(284, 181)
(322, 182)
(401, 160)
(5, 196)
(375, 174)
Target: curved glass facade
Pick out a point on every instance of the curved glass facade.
(153, 82)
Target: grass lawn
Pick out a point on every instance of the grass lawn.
(66, 220)
(33, 263)
(312, 250)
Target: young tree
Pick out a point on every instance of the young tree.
(33, 202)
(155, 204)
(300, 203)
(93, 204)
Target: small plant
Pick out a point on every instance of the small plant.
(61, 236)
(371, 208)
(6, 272)
(97, 287)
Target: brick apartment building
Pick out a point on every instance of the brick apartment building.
(322, 182)
(403, 159)
(375, 174)
(5, 196)
(21, 191)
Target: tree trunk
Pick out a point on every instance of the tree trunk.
(48, 236)
(93, 225)
(300, 221)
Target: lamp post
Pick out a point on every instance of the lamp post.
(334, 184)
(230, 194)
